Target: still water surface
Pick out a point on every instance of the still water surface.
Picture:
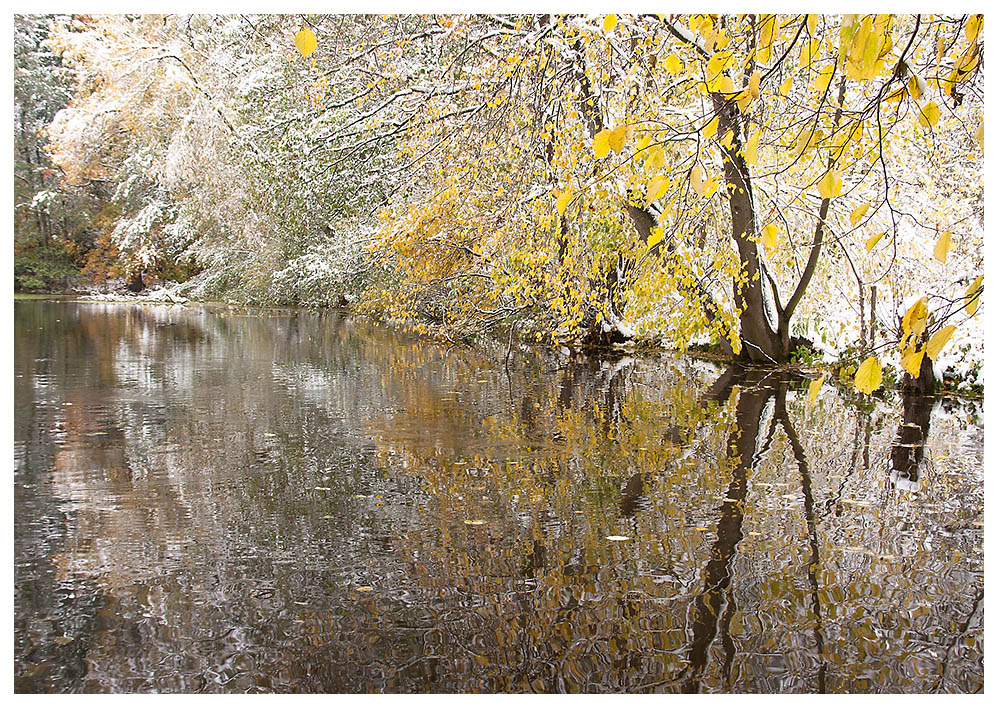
(219, 501)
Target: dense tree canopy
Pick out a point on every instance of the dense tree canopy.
(751, 181)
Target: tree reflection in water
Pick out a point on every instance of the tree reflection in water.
(296, 502)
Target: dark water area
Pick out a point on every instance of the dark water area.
(217, 501)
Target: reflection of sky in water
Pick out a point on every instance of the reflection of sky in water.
(207, 500)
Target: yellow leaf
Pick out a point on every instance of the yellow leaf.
(754, 84)
(609, 22)
(729, 135)
(928, 115)
(710, 129)
(979, 133)
(769, 236)
(912, 362)
(725, 84)
(697, 180)
(914, 89)
(718, 63)
(655, 236)
(938, 341)
(942, 247)
(974, 295)
(672, 64)
(973, 27)
(642, 144)
(474, 522)
(618, 136)
(786, 86)
(808, 50)
(305, 41)
(601, 144)
(767, 33)
(812, 390)
(752, 148)
(562, 202)
(656, 188)
(830, 185)
(872, 241)
(656, 158)
(897, 94)
(823, 78)
(869, 376)
(913, 322)
(858, 213)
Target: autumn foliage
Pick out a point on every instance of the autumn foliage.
(750, 181)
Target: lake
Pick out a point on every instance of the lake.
(227, 500)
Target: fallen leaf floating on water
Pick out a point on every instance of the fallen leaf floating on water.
(618, 538)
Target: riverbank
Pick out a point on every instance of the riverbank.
(809, 363)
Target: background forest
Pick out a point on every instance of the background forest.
(758, 184)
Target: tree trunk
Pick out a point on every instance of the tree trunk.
(135, 283)
(761, 342)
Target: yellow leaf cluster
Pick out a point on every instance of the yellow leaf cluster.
(864, 45)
